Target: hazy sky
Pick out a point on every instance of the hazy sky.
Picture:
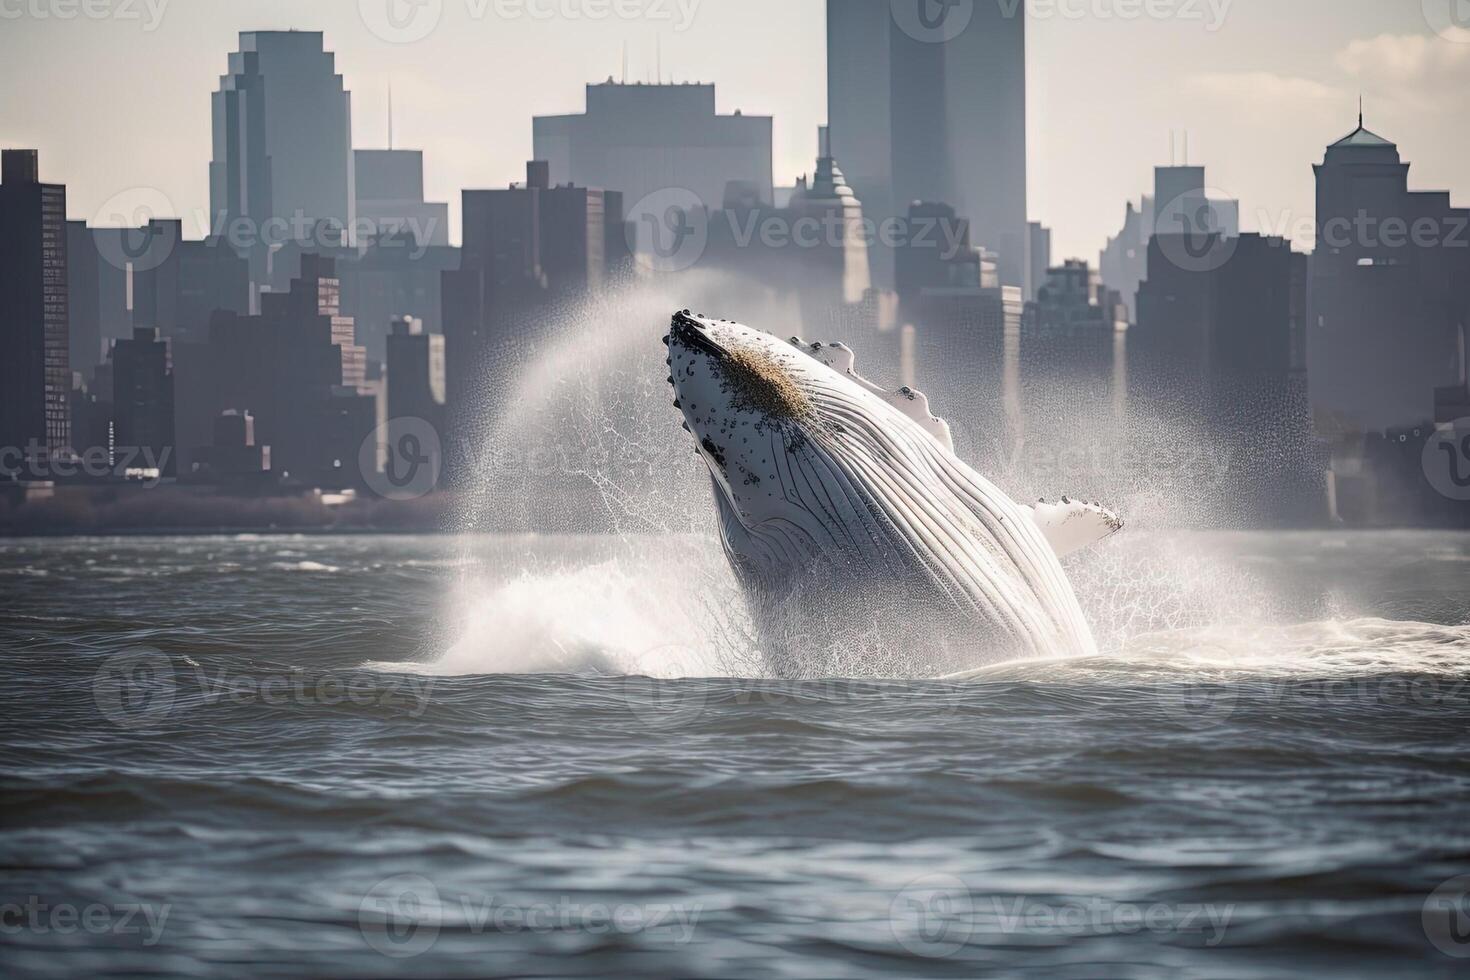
(115, 93)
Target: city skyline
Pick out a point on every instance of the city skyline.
(1249, 81)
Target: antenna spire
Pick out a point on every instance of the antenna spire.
(1360, 110)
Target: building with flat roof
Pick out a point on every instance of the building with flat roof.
(640, 139)
(928, 102)
(35, 364)
(390, 198)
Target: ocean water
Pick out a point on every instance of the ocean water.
(531, 756)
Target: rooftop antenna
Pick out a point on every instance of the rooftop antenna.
(659, 57)
(1360, 110)
(390, 113)
(625, 62)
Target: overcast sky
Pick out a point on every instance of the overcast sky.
(115, 93)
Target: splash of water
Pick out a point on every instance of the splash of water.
(584, 442)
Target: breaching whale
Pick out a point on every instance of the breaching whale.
(865, 545)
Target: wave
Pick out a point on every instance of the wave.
(1322, 650)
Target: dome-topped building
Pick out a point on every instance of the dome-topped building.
(1390, 289)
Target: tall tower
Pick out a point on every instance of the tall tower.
(282, 145)
(35, 371)
(1390, 290)
(927, 101)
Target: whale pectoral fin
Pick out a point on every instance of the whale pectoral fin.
(1071, 525)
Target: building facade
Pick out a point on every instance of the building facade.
(1390, 290)
(656, 144)
(143, 397)
(35, 369)
(390, 198)
(928, 102)
(282, 167)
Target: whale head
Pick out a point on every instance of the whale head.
(748, 398)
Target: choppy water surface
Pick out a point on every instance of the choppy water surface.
(506, 756)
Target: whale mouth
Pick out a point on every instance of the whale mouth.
(686, 331)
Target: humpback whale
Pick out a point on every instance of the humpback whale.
(863, 543)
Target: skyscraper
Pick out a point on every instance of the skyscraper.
(143, 396)
(1038, 258)
(293, 368)
(177, 284)
(1181, 207)
(960, 325)
(84, 298)
(524, 247)
(35, 372)
(282, 165)
(826, 269)
(1221, 349)
(930, 104)
(641, 139)
(415, 372)
(1390, 290)
(390, 197)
